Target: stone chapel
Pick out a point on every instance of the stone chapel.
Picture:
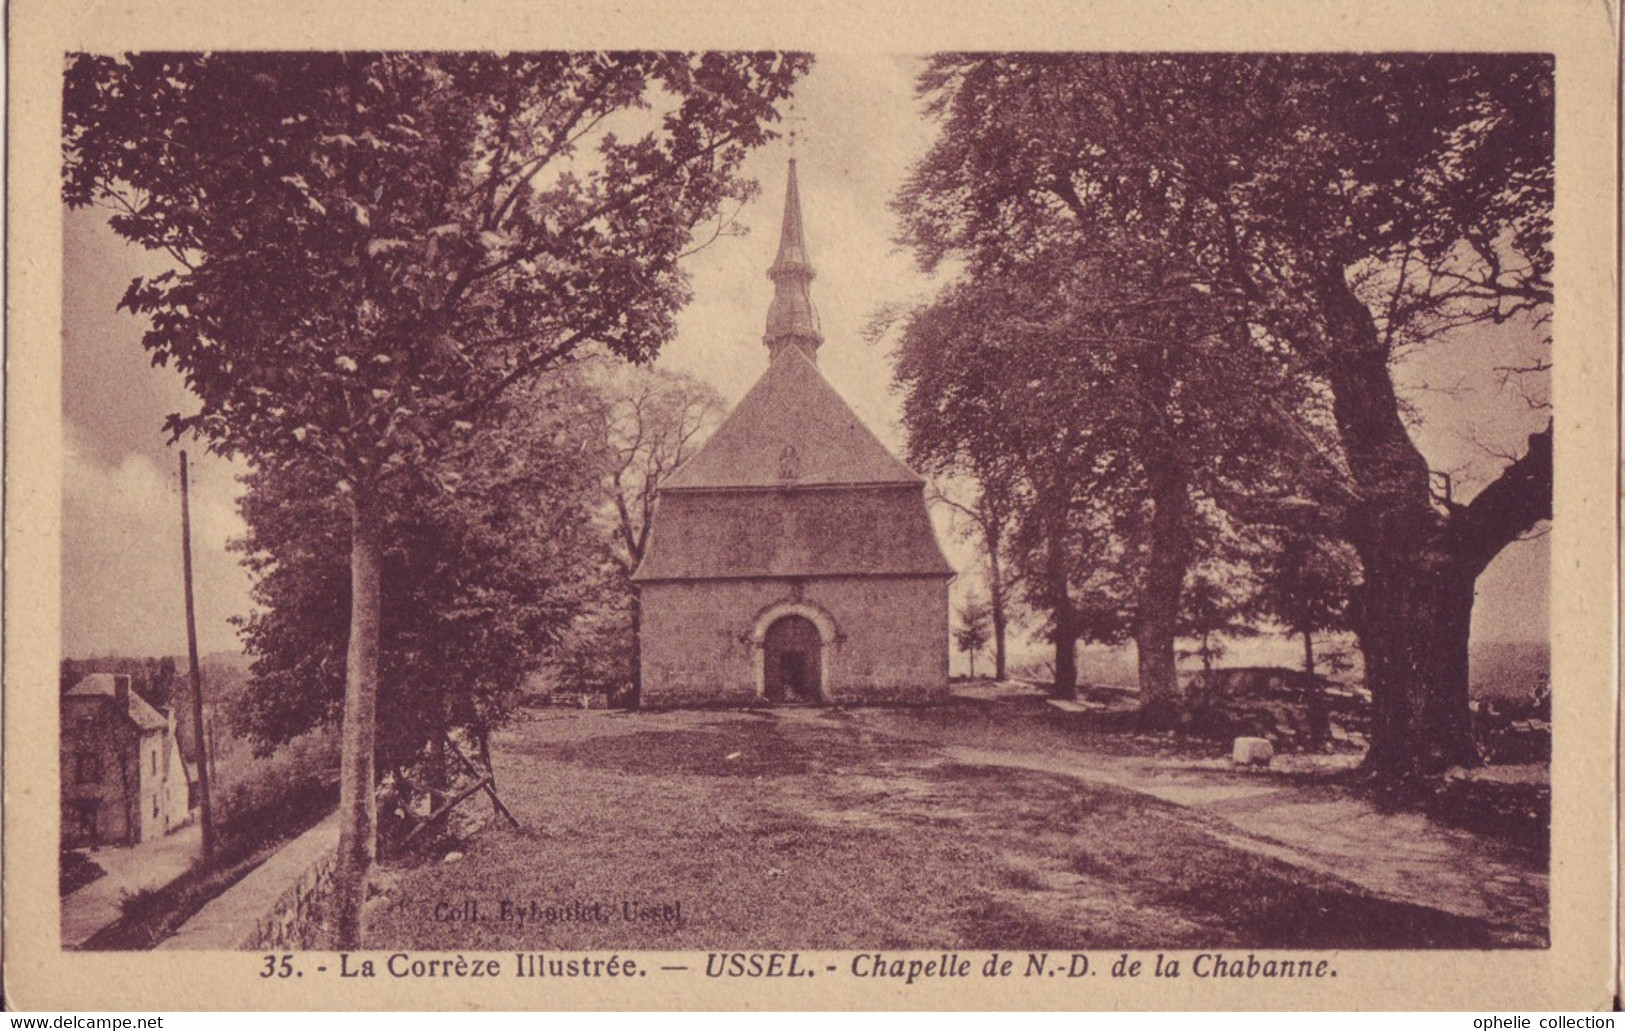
(792, 558)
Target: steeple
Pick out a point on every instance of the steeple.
(792, 320)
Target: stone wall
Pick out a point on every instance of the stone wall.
(278, 906)
(296, 920)
(888, 638)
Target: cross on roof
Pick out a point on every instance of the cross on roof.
(793, 120)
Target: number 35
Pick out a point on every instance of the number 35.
(278, 966)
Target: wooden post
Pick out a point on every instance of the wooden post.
(487, 781)
(435, 816)
(205, 809)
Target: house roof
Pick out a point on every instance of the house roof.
(875, 530)
(792, 429)
(105, 685)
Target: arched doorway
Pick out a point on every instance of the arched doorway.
(792, 660)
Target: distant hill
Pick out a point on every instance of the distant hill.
(230, 660)
(227, 659)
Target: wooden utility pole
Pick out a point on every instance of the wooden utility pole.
(204, 808)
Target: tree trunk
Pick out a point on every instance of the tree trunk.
(1413, 615)
(1066, 653)
(1154, 649)
(1414, 634)
(1157, 621)
(995, 591)
(1066, 623)
(1320, 720)
(358, 805)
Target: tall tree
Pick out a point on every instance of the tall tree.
(990, 516)
(369, 248)
(986, 397)
(1213, 606)
(1305, 587)
(482, 577)
(973, 631)
(1341, 208)
(1306, 583)
(653, 419)
(1106, 393)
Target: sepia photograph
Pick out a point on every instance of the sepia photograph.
(808, 513)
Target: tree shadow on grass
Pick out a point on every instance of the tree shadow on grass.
(735, 749)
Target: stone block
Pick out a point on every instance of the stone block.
(1252, 751)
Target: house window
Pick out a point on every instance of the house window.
(154, 805)
(87, 768)
(154, 766)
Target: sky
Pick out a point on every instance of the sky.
(858, 129)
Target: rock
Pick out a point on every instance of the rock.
(1252, 751)
(453, 857)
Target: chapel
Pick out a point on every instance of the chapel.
(792, 558)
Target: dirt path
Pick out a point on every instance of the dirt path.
(1400, 856)
(129, 870)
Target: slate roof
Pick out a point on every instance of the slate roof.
(791, 407)
(105, 685)
(792, 483)
(879, 529)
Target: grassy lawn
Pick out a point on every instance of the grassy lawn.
(825, 829)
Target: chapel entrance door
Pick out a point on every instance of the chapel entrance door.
(792, 663)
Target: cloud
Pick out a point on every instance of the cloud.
(122, 589)
(110, 388)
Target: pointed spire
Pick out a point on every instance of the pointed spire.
(792, 244)
(792, 319)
